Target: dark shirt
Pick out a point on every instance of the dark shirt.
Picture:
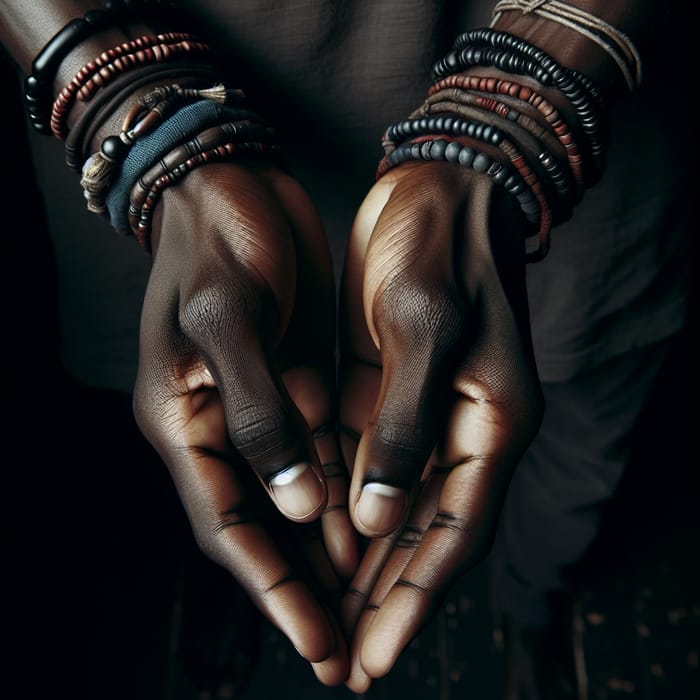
(332, 76)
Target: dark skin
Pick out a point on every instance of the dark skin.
(439, 395)
(439, 391)
(236, 372)
(460, 367)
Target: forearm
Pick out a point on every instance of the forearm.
(27, 28)
(574, 49)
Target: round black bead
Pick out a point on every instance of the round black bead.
(114, 148)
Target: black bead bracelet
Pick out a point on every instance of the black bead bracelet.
(38, 86)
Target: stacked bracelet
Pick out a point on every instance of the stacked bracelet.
(145, 115)
(527, 95)
(168, 132)
(488, 47)
(101, 70)
(148, 192)
(540, 162)
(510, 137)
(38, 85)
(103, 106)
(179, 128)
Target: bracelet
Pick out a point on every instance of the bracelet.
(533, 98)
(38, 85)
(544, 68)
(185, 123)
(144, 116)
(507, 108)
(453, 151)
(228, 132)
(454, 102)
(463, 151)
(69, 93)
(487, 47)
(103, 106)
(142, 207)
(156, 53)
(493, 136)
(614, 42)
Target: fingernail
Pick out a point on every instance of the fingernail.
(380, 507)
(297, 490)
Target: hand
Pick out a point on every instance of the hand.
(439, 393)
(235, 389)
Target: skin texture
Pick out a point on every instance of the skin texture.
(236, 382)
(439, 381)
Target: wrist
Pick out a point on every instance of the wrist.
(594, 37)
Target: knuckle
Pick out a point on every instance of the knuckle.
(419, 315)
(212, 312)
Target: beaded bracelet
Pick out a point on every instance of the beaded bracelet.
(557, 168)
(143, 204)
(614, 42)
(546, 70)
(455, 102)
(38, 85)
(104, 105)
(156, 53)
(495, 137)
(71, 92)
(180, 127)
(526, 94)
(144, 116)
(228, 132)
(507, 109)
(434, 147)
(488, 47)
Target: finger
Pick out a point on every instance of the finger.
(358, 680)
(379, 570)
(231, 323)
(319, 568)
(232, 534)
(308, 388)
(228, 524)
(308, 351)
(334, 670)
(459, 534)
(179, 410)
(339, 534)
(416, 315)
(357, 594)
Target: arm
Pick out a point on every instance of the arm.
(438, 378)
(236, 367)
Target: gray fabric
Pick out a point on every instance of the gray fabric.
(566, 478)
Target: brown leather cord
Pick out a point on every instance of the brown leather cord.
(78, 144)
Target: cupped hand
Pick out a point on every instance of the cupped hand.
(235, 390)
(439, 393)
